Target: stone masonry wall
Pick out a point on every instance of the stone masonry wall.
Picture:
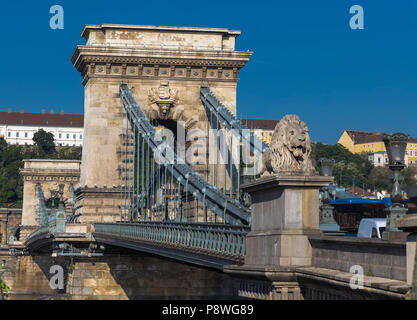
(378, 258)
(114, 276)
(145, 277)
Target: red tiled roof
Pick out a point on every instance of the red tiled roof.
(364, 136)
(360, 192)
(359, 137)
(42, 119)
(259, 124)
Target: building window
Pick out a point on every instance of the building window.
(81, 136)
(74, 136)
(8, 134)
(17, 134)
(26, 134)
(60, 136)
(67, 135)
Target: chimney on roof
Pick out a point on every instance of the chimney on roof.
(22, 111)
(61, 112)
(52, 111)
(9, 110)
(43, 111)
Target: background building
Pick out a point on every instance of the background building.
(19, 127)
(263, 129)
(371, 143)
(378, 159)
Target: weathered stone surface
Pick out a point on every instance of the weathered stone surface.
(49, 173)
(115, 276)
(148, 58)
(284, 213)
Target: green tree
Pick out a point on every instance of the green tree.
(381, 178)
(11, 160)
(3, 144)
(349, 168)
(409, 175)
(70, 153)
(45, 143)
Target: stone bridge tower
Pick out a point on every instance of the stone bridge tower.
(151, 59)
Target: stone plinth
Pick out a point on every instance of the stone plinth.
(285, 211)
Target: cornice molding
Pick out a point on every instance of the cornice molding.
(50, 175)
(85, 55)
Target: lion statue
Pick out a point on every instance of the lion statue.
(290, 149)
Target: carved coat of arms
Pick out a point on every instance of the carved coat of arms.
(164, 98)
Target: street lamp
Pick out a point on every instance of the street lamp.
(327, 222)
(326, 166)
(53, 196)
(395, 144)
(61, 196)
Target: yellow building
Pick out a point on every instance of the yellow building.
(263, 129)
(365, 141)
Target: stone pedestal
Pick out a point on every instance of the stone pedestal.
(408, 223)
(285, 211)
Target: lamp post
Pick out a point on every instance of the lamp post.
(395, 144)
(61, 196)
(53, 196)
(327, 222)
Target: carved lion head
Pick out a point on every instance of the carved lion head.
(290, 148)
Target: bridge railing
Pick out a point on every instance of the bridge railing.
(215, 239)
(41, 232)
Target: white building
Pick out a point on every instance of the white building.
(19, 127)
(380, 158)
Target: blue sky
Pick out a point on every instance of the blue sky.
(306, 58)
